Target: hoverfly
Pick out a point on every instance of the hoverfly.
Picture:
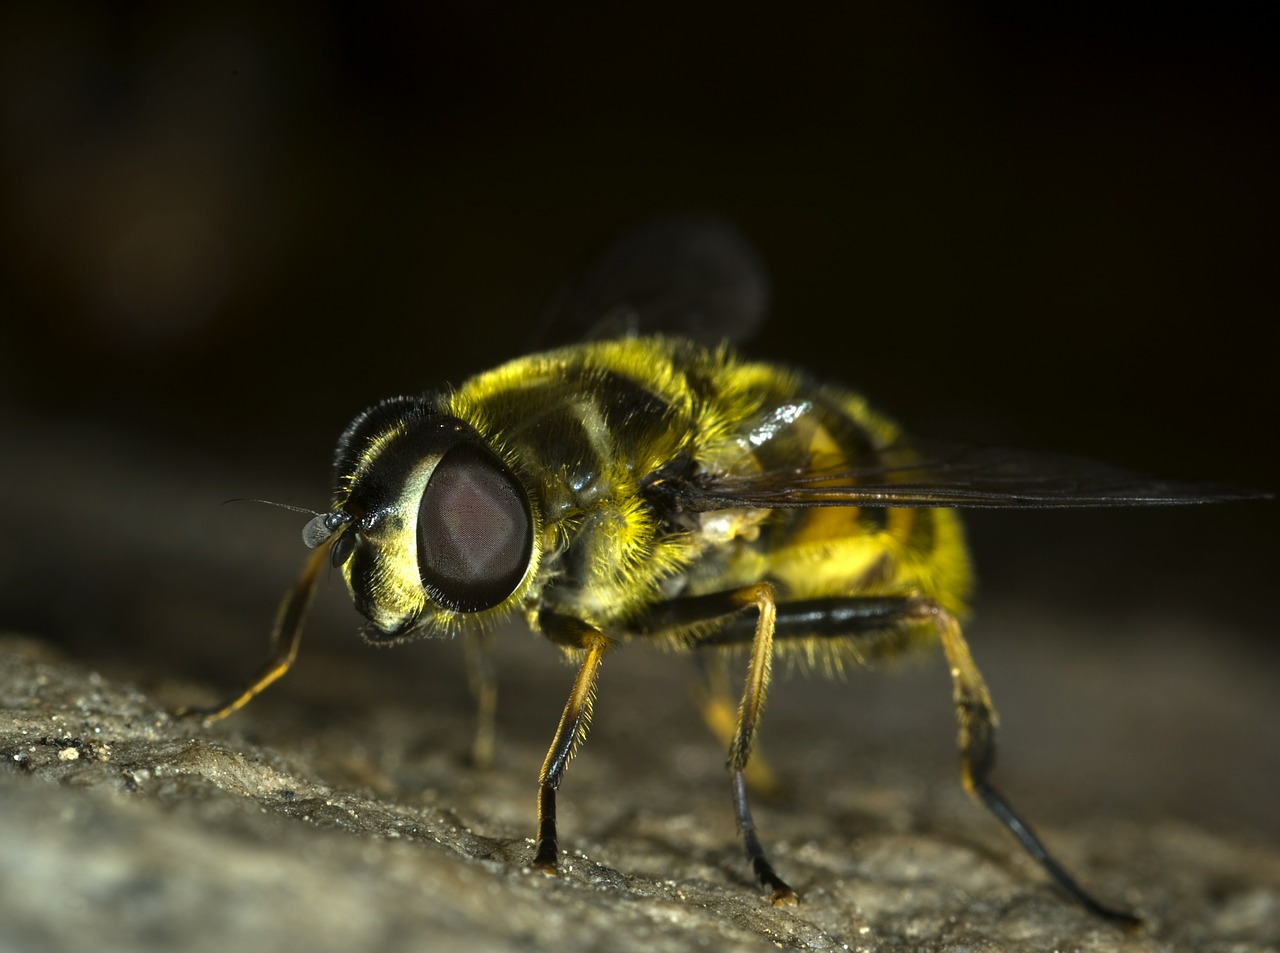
(653, 484)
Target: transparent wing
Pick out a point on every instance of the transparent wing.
(690, 275)
(955, 476)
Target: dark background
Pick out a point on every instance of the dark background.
(227, 228)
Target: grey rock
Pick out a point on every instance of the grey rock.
(353, 823)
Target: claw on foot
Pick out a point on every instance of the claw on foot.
(545, 865)
(784, 897)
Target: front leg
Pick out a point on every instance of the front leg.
(484, 688)
(572, 730)
(285, 636)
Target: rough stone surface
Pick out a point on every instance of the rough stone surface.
(337, 813)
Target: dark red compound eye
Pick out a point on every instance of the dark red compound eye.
(475, 534)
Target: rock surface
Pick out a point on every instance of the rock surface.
(337, 813)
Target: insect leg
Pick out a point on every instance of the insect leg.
(572, 729)
(834, 617)
(978, 720)
(882, 617)
(719, 710)
(690, 610)
(478, 647)
(285, 636)
(754, 691)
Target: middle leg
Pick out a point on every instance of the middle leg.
(691, 610)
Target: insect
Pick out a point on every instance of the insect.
(650, 483)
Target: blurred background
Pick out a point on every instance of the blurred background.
(228, 227)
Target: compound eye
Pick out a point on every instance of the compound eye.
(475, 534)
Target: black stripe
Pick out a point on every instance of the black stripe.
(858, 443)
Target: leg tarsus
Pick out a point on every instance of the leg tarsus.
(781, 893)
(977, 719)
(286, 634)
(997, 805)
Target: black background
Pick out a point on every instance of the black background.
(227, 228)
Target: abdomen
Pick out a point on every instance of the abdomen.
(827, 551)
